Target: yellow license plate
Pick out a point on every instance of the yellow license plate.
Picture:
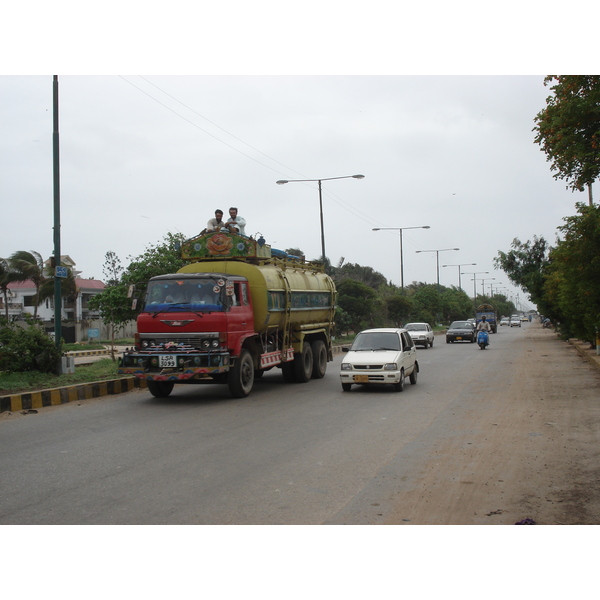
(361, 378)
(458, 337)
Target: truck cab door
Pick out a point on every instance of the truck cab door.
(240, 320)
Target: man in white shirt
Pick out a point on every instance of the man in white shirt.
(216, 223)
(236, 224)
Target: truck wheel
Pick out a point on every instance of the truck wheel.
(241, 377)
(346, 387)
(160, 389)
(319, 352)
(303, 364)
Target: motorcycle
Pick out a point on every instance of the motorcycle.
(483, 339)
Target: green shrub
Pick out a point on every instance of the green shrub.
(27, 348)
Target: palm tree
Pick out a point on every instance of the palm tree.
(29, 266)
(6, 276)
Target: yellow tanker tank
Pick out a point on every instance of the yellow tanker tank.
(280, 289)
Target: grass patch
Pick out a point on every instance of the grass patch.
(31, 381)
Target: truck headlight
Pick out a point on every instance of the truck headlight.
(346, 367)
(390, 367)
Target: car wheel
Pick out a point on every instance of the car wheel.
(399, 387)
(431, 343)
(447, 341)
(413, 375)
(346, 387)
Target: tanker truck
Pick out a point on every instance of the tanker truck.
(237, 309)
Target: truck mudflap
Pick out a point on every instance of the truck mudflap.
(270, 359)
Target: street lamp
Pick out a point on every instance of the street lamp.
(282, 181)
(483, 282)
(437, 255)
(459, 266)
(475, 281)
(401, 229)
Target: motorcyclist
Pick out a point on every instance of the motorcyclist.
(483, 325)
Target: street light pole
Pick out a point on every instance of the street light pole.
(483, 283)
(283, 181)
(459, 266)
(475, 281)
(437, 254)
(400, 229)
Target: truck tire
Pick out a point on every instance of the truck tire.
(319, 352)
(160, 389)
(303, 364)
(241, 376)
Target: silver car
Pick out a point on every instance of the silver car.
(421, 333)
(380, 357)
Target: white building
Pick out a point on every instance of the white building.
(21, 299)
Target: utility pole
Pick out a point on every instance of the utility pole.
(56, 172)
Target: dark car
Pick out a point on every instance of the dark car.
(460, 331)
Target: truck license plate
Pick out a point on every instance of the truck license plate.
(361, 378)
(166, 361)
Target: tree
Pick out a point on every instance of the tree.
(525, 265)
(366, 275)
(573, 280)
(456, 304)
(113, 304)
(399, 308)
(295, 252)
(6, 277)
(358, 300)
(158, 259)
(568, 129)
(29, 266)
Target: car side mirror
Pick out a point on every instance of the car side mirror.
(345, 349)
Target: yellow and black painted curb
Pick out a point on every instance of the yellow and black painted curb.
(71, 393)
(77, 353)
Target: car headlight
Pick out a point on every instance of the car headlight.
(346, 367)
(390, 367)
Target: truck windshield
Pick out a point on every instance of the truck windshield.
(197, 295)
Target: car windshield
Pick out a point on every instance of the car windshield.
(460, 325)
(376, 340)
(416, 327)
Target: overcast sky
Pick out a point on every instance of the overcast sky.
(141, 156)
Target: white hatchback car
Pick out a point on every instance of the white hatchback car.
(421, 333)
(380, 356)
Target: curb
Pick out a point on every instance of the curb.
(584, 350)
(77, 353)
(71, 393)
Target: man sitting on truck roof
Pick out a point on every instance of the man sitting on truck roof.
(217, 223)
(236, 224)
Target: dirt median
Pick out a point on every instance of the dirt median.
(529, 449)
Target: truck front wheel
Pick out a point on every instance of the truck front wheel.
(241, 376)
(160, 389)
(303, 364)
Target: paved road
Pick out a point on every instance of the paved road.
(288, 454)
